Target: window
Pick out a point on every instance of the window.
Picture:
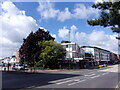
(70, 46)
(74, 47)
(74, 55)
(66, 46)
(95, 56)
(67, 55)
(101, 56)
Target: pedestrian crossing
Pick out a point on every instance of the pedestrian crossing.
(77, 79)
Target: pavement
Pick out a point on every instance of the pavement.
(107, 77)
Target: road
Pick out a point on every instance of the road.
(106, 77)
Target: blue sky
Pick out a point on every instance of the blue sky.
(20, 18)
(53, 25)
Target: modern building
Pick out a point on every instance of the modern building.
(100, 55)
(74, 53)
(104, 56)
(89, 61)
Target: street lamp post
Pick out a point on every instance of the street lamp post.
(69, 49)
(69, 57)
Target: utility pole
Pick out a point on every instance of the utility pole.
(69, 35)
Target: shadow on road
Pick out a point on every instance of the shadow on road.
(14, 79)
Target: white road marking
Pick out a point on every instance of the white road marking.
(75, 82)
(68, 81)
(90, 75)
(91, 72)
(64, 82)
(74, 71)
(105, 73)
(59, 80)
(95, 76)
(55, 81)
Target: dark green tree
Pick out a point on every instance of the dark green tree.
(30, 50)
(109, 16)
(52, 52)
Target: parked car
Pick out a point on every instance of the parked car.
(100, 66)
(18, 67)
(103, 65)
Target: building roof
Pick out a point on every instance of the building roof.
(94, 47)
(67, 43)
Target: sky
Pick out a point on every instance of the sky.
(18, 19)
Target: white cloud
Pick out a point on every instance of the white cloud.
(47, 11)
(73, 27)
(14, 26)
(64, 15)
(10, 8)
(95, 38)
(83, 12)
(63, 33)
(106, 41)
(100, 36)
(97, 1)
(101, 1)
(100, 39)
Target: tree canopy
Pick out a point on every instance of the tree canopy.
(109, 17)
(52, 52)
(30, 49)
